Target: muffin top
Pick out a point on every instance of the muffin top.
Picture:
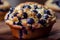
(30, 14)
(4, 5)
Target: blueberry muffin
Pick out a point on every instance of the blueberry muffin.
(30, 20)
(4, 7)
(53, 4)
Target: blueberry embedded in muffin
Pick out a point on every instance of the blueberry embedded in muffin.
(30, 20)
(10, 11)
(47, 12)
(25, 15)
(46, 16)
(26, 6)
(35, 11)
(43, 22)
(38, 15)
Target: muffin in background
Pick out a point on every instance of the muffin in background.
(53, 4)
(4, 8)
(30, 20)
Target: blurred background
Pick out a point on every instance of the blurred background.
(16, 2)
(5, 32)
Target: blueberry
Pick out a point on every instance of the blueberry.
(42, 22)
(35, 7)
(8, 15)
(19, 18)
(15, 14)
(30, 21)
(11, 10)
(31, 28)
(1, 2)
(24, 6)
(12, 16)
(25, 31)
(25, 15)
(46, 16)
(18, 23)
(21, 34)
(47, 12)
(35, 11)
(38, 15)
(27, 6)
